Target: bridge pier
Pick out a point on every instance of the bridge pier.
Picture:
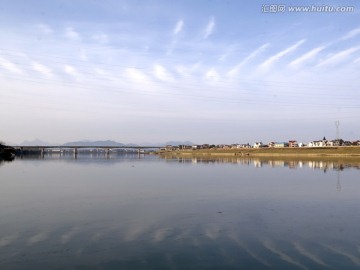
(75, 153)
(107, 153)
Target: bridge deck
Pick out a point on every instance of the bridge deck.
(84, 147)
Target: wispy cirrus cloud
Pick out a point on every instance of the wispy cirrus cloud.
(351, 34)
(252, 55)
(306, 57)
(70, 33)
(271, 60)
(101, 38)
(44, 70)
(70, 70)
(178, 27)
(10, 66)
(212, 75)
(209, 28)
(44, 28)
(162, 74)
(339, 57)
(136, 75)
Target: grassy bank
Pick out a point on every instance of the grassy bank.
(348, 151)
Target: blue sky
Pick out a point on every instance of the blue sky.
(154, 71)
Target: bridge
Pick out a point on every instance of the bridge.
(75, 148)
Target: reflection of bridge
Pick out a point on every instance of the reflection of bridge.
(75, 148)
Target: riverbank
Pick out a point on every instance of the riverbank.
(343, 151)
(6, 152)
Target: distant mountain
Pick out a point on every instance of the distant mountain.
(94, 143)
(38, 142)
(35, 142)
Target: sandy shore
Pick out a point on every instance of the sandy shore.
(344, 151)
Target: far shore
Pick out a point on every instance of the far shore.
(341, 151)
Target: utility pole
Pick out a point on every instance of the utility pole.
(337, 123)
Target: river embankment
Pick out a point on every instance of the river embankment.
(341, 151)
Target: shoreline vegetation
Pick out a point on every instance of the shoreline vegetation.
(340, 151)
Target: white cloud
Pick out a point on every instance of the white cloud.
(101, 38)
(209, 28)
(42, 69)
(339, 57)
(136, 75)
(178, 27)
(306, 57)
(183, 71)
(212, 74)
(72, 34)
(10, 66)
(45, 29)
(270, 61)
(71, 71)
(100, 71)
(83, 55)
(351, 34)
(162, 74)
(252, 55)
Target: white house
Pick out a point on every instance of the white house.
(258, 145)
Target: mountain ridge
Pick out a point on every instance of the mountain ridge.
(38, 142)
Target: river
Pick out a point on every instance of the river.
(146, 212)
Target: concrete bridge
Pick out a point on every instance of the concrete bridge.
(75, 148)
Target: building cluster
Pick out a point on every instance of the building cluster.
(293, 143)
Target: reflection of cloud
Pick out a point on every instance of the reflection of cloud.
(254, 255)
(134, 233)
(68, 235)
(341, 251)
(160, 234)
(213, 232)
(42, 236)
(270, 246)
(6, 240)
(308, 254)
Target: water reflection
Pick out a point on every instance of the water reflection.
(315, 163)
(142, 212)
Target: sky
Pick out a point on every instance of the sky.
(202, 71)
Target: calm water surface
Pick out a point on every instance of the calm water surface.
(127, 212)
